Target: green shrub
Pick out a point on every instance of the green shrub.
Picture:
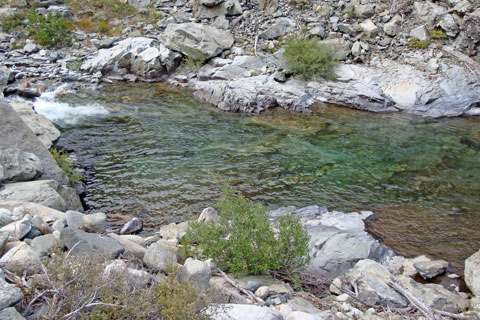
(416, 43)
(244, 242)
(13, 22)
(74, 287)
(49, 31)
(437, 34)
(65, 163)
(308, 58)
(192, 65)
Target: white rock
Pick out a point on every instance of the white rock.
(472, 273)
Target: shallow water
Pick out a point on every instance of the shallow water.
(159, 154)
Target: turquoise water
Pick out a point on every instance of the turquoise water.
(159, 154)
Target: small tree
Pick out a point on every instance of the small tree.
(244, 242)
(308, 58)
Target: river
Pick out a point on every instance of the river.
(156, 152)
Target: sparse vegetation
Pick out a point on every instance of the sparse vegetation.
(437, 34)
(51, 30)
(75, 287)
(244, 242)
(13, 22)
(191, 65)
(65, 163)
(308, 58)
(416, 43)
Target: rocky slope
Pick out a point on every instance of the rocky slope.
(381, 70)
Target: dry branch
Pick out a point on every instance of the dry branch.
(243, 290)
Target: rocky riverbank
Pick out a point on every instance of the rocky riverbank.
(381, 69)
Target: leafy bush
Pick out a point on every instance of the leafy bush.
(50, 31)
(65, 163)
(76, 288)
(13, 22)
(244, 242)
(416, 43)
(308, 58)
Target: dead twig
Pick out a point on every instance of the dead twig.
(427, 311)
(243, 290)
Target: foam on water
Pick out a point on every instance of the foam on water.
(63, 112)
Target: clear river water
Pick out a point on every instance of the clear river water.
(157, 153)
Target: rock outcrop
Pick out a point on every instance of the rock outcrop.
(143, 57)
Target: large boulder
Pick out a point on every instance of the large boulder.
(254, 94)
(132, 249)
(34, 209)
(21, 258)
(45, 131)
(43, 244)
(16, 134)
(279, 28)
(160, 257)
(198, 272)
(215, 8)
(18, 165)
(435, 295)
(196, 40)
(95, 222)
(81, 242)
(9, 294)
(44, 192)
(10, 314)
(371, 280)
(6, 76)
(143, 57)
(472, 273)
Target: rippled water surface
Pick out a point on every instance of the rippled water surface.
(162, 155)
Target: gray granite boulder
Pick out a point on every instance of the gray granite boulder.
(94, 222)
(472, 273)
(9, 295)
(45, 131)
(198, 272)
(81, 242)
(21, 258)
(246, 312)
(44, 192)
(431, 269)
(10, 314)
(196, 40)
(143, 57)
(18, 165)
(160, 257)
(43, 244)
(15, 133)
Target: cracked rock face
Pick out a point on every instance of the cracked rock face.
(196, 40)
